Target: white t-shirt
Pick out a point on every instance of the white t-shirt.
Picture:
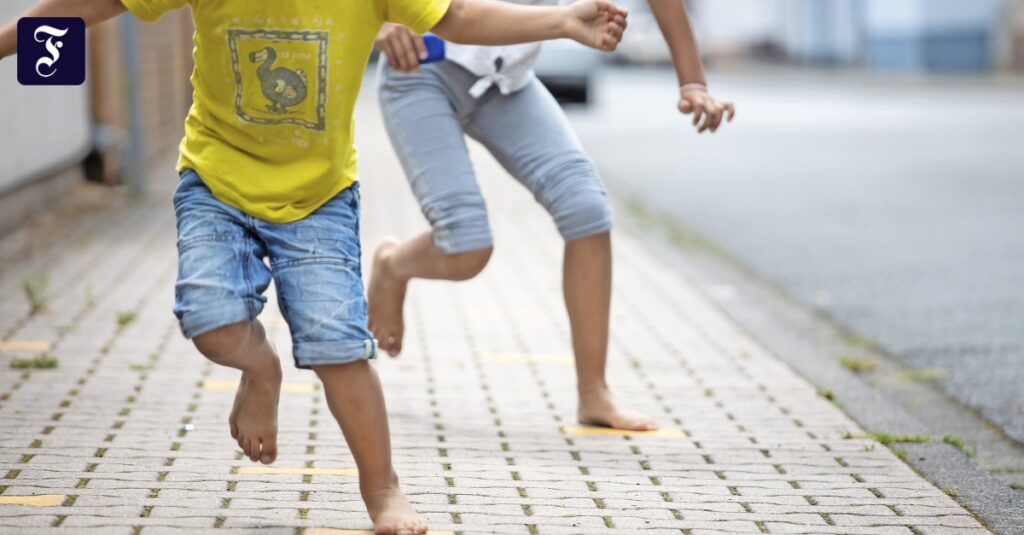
(515, 61)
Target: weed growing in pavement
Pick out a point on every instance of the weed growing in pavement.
(887, 439)
(958, 443)
(35, 291)
(858, 364)
(827, 394)
(1008, 470)
(950, 492)
(39, 362)
(860, 341)
(125, 317)
(925, 375)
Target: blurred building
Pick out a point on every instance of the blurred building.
(903, 35)
(130, 109)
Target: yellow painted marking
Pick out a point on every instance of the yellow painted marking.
(525, 358)
(588, 431)
(14, 345)
(329, 531)
(269, 470)
(43, 500)
(214, 384)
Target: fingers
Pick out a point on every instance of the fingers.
(420, 46)
(614, 28)
(715, 111)
(405, 53)
(608, 7)
(411, 51)
(389, 52)
(402, 48)
(708, 113)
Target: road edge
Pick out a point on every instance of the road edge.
(804, 340)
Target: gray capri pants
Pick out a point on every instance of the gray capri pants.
(426, 114)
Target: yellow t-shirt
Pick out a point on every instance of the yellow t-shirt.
(271, 130)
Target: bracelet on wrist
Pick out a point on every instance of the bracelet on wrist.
(693, 87)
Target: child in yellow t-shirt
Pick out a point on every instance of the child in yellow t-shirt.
(268, 171)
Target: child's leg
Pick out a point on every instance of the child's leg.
(423, 113)
(221, 279)
(316, 267)
(253, 418)
(355, 398)
(548, 159)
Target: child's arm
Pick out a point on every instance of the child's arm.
(595, 23)
(694, 98)
(91, 11)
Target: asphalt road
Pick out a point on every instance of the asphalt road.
(894, 205)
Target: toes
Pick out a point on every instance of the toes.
(251, 449)
(269, 454)
(391, 343)
(384, 529)
(234, 428)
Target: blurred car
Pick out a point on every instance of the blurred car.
(642, 44)
(567, 69)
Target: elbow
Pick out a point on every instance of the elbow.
(451, 27)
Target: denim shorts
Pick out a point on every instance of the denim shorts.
(226, 260)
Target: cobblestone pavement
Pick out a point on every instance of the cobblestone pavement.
(128, 433)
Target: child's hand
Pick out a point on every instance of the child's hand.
(701, 104)
(596, 23)
(403, 48)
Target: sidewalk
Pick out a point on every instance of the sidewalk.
(128, 433)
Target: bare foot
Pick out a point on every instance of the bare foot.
(386, 297)
(601, 409)
(392, 514)
(253, 418)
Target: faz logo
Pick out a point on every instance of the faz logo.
(51, 51)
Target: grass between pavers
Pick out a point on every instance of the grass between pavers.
(125, 317)
(924, 375)
(958, 443)
(888, 439)
(38, 362)
(35, 290)
(858, 364)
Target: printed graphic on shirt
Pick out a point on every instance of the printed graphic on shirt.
(280, 76)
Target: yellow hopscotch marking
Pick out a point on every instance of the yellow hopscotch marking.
(214, 384)
(14, 345)
(43, 500)
(329, 531)
(588, 431)
(525, 358)
(269, 470)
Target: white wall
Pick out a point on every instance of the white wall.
(40, 127)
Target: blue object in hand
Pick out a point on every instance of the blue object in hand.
(435, 48)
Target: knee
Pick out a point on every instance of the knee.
(465, 266)
(223, 342)
(584, 214)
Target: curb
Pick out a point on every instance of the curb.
(797, 336)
